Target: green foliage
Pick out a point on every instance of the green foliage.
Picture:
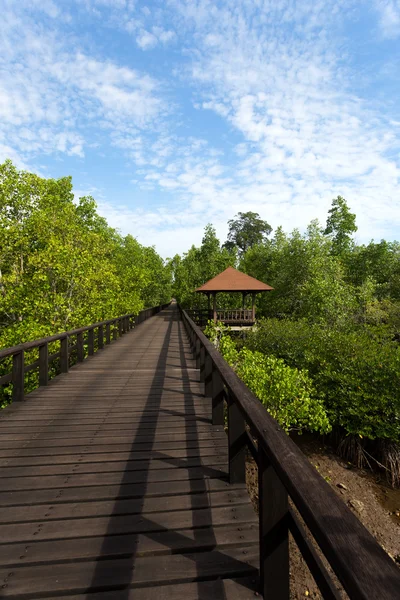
(286, 392)
(216, 331)
(356, 372)
(341, 224)
(197, 266)
(61, 265)
(246, 230)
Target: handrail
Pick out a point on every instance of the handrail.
(361, 565)
(17, 376)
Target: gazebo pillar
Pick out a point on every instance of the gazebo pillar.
(243, 299)
(215, 306)
(253, 305)
(209, 301)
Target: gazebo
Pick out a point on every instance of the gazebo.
(233, 281)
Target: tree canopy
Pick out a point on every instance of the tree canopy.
(340, 224)
(246, 230)
(61, 265)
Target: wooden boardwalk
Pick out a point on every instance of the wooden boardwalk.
(114, 482)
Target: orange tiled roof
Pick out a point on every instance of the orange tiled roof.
(232, 280)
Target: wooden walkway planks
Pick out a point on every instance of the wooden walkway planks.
(114, 482)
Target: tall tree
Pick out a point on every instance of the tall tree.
(341, 224)
(246, 230)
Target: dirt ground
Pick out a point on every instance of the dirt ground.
(365, 493)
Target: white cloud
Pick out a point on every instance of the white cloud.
(147, 40)
(276, 76)
(50, 95)
(389, 11)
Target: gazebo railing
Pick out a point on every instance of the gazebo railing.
(239, 315)
(235, 316)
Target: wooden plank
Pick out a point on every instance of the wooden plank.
(65, 481)
(125, 466)
(77, 510)
(141, 450)
(113, 491)
(112, 456)
(123, 546)
(126, 524)
(243, 588)
(140, 572)
(148, 422)
(146, 431)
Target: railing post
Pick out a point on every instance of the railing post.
(108, 336)
(197, 353)
(120, 330)
(90, 342)
(208, 369)
(217, 398)
(100, 337)
(64, 354)
(274, 543)
(115, 329)
(18, 376)
(43, 364)
(236, 442)
(79, 347)
(202, 363)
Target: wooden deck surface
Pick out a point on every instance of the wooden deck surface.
(114, 482)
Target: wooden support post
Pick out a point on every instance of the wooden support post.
(208, 369)
(115, 329)
(64, 355)
(120, 329)
(253, 306)
(108, 333)
(91, 342)
(197, 353)
(243, 300)
(202, 363)
(215, 306)
(274, 545)
(237, 443)
(100, 337)
(79, 347)
(43, 364)
(18, 376)
(217, 398)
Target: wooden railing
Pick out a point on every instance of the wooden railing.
(67, 354)
(362, 567)
(240, 315)
(201, 316)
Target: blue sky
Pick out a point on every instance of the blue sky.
(176, 113)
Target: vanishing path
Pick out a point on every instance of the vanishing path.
(114, 482)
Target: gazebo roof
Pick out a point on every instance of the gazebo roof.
(232, 280)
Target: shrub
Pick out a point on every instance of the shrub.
(287, 393)
(356, 372)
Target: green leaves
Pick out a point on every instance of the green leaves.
(246, 230)
(61, 265)
(357, 373)
(197, 266)
(286, 392)
(341, 224)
